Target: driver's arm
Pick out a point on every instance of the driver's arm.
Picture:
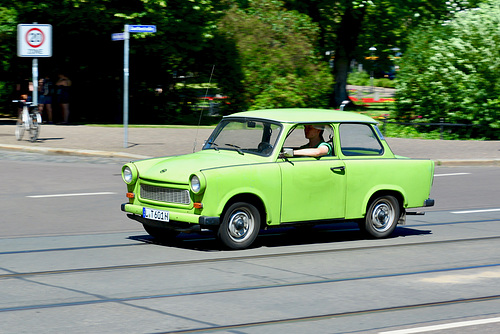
(312, 152)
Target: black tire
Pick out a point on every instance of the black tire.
(382, 217)
(162, 234)
(240, 226)
(34, 128)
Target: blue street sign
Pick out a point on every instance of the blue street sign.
(120, 36)
(141, 28)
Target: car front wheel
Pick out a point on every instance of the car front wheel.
(240, 226)
(381, 217)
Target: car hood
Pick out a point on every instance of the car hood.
(178, 169)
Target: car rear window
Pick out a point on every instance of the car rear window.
(359, 140)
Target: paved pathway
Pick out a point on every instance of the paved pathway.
(151, 142)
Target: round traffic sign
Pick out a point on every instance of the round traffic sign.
(35, 37)
(34, 40)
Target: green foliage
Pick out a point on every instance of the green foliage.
(82, 48)
(384, 82)
(361, 78)
(358, 78)
(8, 21)
(452, 72)
(275, 50)
(414, 132)
(389, 23)
(266, 53)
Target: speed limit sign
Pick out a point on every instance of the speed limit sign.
(34, 40)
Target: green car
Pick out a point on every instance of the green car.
(275, 168)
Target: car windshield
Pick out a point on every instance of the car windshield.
(245, 136)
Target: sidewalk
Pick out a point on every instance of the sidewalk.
(154, 142)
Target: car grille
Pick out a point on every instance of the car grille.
(161, 194)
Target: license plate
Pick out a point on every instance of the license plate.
(155, 214)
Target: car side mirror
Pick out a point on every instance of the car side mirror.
(288, 152)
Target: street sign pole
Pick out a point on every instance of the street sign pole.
(34, 40)
(125, 37)
(35, 81)
(126, 48)
(34, 70)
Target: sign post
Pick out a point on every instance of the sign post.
(34, 40)
(126, 75)
(125, 37)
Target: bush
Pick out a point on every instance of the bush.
(452, 72)
(357, 78)
(276, 55)
(386, 83)
(363, 79)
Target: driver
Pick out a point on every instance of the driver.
(317, 146)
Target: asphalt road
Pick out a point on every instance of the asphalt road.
(71, 262)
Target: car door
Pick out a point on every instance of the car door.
(312, 188)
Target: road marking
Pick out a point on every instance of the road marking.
(476, 211)
(462, 278)
(444, 326)
(70, 195)
(452, 174)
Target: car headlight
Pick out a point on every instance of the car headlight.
(198, 183)
(195, 184)
(129, 173)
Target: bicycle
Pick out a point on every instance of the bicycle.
(30, 119)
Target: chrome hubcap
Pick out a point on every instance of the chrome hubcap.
(382, 216)
(240, 224)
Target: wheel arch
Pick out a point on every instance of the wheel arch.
(251, 199)
(386, 192)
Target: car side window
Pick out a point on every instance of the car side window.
(359, 140)
(296, 138)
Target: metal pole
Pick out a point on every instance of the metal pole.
(35, 81)
(372, 50)
(34, 71)
(126, 47)
(441, 128)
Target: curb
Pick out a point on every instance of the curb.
(65, 151)
(467, 162)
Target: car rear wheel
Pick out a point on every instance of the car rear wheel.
(159, 233)
(240, 226)
(381, 217)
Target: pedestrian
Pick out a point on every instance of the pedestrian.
(63, 85)
(45, 98)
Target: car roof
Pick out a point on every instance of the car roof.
(304, 115)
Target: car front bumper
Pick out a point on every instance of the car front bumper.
(179, 221)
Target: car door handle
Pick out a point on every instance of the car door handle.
(341, 168)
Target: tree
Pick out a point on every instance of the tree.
(350, 27)
(8, 19)
(276, 53)
(452, 72)
(82, 47)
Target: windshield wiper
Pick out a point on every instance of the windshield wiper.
(236, 147)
